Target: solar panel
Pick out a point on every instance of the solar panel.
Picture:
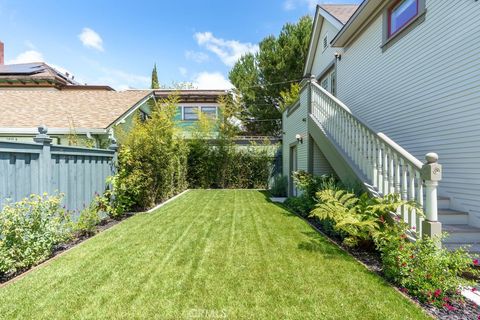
(21, 69)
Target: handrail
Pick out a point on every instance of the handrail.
(404, 153)
(379, 161)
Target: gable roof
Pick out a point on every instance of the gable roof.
(92, 109)
(192, 95)
(341, 12)
(336, 15)
(33, 74)
(366, 11)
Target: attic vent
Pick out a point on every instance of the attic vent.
(325, 42)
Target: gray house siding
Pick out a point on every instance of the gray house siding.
(295, 122)
(423, 91)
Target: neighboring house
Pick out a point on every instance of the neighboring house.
(406, 73)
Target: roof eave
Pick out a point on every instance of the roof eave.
(364, 13)
(320, 14)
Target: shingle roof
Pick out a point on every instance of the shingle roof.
(342, 12)
(93, 109)
(35, 71)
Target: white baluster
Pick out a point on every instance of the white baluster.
(380, 167)
(391, 173)
(413, 216)
(404, 187)
(374, 161)
(385, 170)
(419, 201)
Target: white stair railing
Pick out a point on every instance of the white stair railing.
(385, 165)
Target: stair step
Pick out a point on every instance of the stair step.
(461, 233)
(472, 248)
(447, 216)
(443, 202)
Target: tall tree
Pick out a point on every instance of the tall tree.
(155, 84)
(261, 78)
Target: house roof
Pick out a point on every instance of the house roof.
(192, 95)
(32, 74)
(341, 12)
(94, 109)
(337, 15)
(358, 21)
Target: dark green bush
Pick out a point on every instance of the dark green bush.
(214, 161)
(279, 185)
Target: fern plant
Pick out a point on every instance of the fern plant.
(358, 219)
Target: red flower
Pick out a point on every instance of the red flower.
(412, 256)
(475, 262)
(449, 307)
(474, 289)
(437, 293)
(382, 219)
(404, 264)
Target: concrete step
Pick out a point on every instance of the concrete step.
(473, 248)
(443, 202)
(447, 216)
(461, 233)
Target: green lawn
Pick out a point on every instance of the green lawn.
(207, 255)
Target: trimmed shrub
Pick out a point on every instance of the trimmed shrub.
(88, 220)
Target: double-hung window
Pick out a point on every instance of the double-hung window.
(191, 113)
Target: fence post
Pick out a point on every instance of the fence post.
(44, 159)
(114, 147)
(431, 173)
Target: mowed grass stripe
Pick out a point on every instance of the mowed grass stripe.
(209, 252)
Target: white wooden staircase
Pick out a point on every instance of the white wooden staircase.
(385, 167)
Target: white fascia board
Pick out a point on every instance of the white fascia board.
(320, 15)
(132, 110)
(5, 130)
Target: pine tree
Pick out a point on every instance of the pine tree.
(155, 84)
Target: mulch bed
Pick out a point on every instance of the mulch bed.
(371, 259)
(105, 224)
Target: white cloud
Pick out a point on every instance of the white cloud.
(122, 80)
(91, 39)
(229, 51)
(289, 5)
(196, 56)
(26, 57)
(211, 80)
(183, 71)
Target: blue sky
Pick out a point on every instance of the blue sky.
(117, 42)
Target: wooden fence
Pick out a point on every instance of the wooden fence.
(39, 167)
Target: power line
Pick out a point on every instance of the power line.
(272, 84)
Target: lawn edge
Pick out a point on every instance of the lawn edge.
(158, 206)
(55, 257)
(361, 263)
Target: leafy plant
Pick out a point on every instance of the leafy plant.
(87, 222)
(279, 186)
(152, 161)
(431, 274)
(29, 230)
(360, 219)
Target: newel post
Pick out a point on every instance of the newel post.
(431, 174)
(114, 147)
(44, 159)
